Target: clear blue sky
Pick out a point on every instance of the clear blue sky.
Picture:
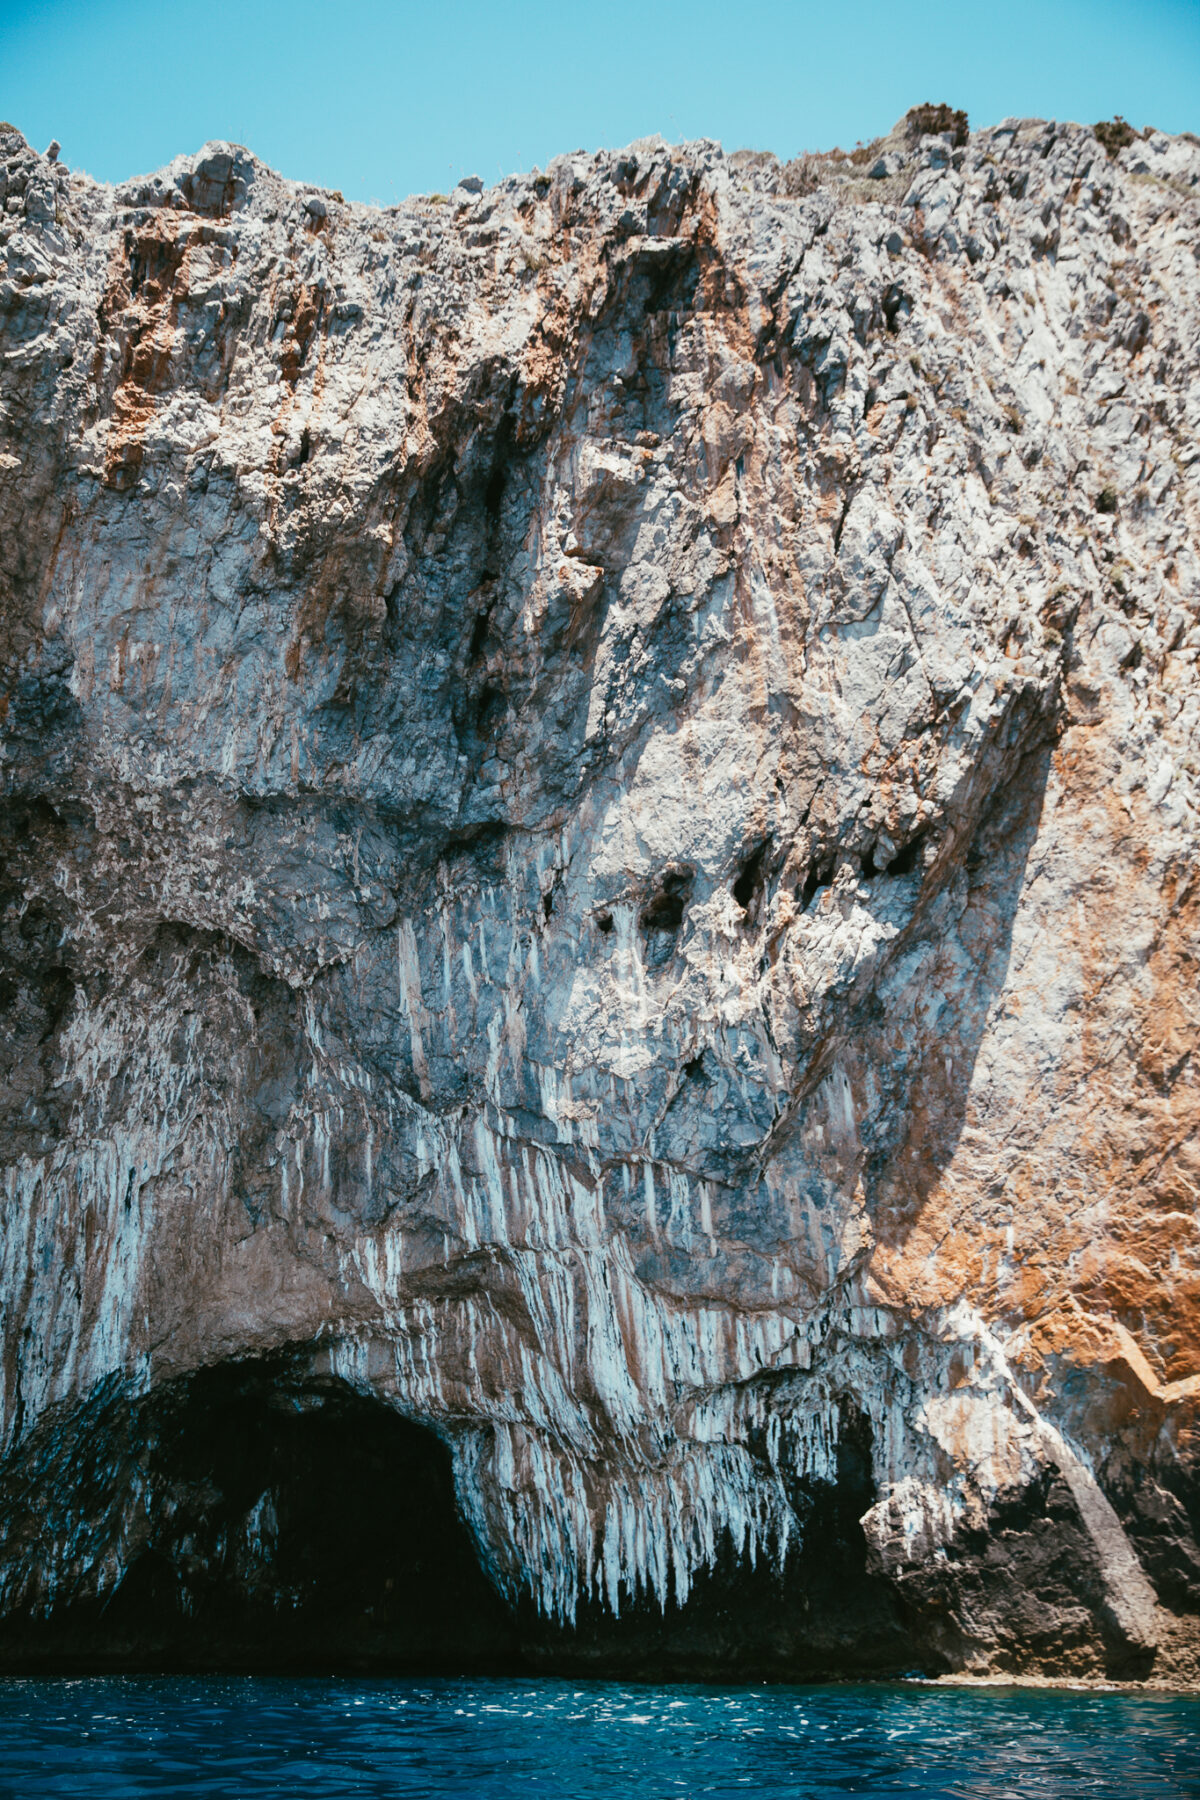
(384, 99)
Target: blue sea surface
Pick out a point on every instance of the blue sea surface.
(235, 1738)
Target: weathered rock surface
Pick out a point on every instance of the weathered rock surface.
(600, 856)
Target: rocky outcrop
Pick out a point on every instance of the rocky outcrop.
(600, 911)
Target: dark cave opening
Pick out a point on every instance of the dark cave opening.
(289, 1525)
(663, 911)
(751, 879)
(905, 860)
(820, 874)
(264, 1520)
(821, 1613)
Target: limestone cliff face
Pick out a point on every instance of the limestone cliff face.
(599, 855)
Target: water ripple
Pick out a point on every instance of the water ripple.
(236, 1739)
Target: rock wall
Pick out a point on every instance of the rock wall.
(599, 852)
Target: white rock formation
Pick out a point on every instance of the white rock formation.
(600, 842)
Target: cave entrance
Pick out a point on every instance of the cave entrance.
(290, 1524)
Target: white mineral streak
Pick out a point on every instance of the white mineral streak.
(600, 833)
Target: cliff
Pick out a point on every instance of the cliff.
(600, 911)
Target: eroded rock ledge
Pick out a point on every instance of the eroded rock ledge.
(600, 912)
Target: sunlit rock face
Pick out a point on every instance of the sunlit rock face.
(599, 843)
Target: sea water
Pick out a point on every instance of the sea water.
(562, 1740)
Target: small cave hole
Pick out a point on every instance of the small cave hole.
(483, 844)
(820, 874)
(305, 450)
(498, 474)
(488, 706)
(58, 993)
(663, 912)
(894, 301)
(869, 868)
(604, 923)
(494, 492)
(479, 633)
(906, 859)
(693, 1069)
(749, 884)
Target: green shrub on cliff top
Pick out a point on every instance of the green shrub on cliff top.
(929, 120)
